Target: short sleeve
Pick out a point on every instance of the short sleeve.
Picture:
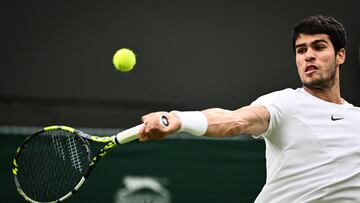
(279, 104)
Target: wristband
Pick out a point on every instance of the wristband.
(194, 122)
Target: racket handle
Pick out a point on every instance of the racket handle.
(134, 132)
(128, 135)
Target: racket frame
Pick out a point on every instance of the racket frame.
(111, 142)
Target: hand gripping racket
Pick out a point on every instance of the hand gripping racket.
(53, 163)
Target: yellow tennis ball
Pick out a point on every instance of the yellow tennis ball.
(124, 60)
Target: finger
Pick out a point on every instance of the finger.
(144, 138)
(142, 131)
(145, 117)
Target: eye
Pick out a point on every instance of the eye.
(319, 47)
(301, 50)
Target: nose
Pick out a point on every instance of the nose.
(310, 55)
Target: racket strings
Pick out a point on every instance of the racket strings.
(74, 154)
(59, 149)
(51, 164)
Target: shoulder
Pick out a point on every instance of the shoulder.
(280, 104)
(278, 96)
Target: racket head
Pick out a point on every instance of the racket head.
(50, 164)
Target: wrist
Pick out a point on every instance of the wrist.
(193, 122)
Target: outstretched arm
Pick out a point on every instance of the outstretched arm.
(251, 120)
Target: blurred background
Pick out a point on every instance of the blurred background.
(56, 68)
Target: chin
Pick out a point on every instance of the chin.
(319, 84)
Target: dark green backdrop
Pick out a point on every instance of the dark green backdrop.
(188, 170)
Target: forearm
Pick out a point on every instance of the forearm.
(223, 123)
(246, 120)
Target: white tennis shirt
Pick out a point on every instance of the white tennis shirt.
(312, 149)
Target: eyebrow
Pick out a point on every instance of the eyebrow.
(312, 43)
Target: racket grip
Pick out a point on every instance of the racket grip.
(128, 135)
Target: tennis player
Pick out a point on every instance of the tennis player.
(312, 134)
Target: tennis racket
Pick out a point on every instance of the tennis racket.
(54, 162)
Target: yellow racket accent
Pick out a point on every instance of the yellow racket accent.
(15, 170)
(101, 139)
(54, 127)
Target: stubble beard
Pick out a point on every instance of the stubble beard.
(323, 82)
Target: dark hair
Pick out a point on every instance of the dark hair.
(320, 24)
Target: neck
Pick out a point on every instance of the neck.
(331, 94)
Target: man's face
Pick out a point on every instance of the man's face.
(316, 61)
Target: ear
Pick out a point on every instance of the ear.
(340, 56)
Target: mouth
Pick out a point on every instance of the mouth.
(311, 68)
